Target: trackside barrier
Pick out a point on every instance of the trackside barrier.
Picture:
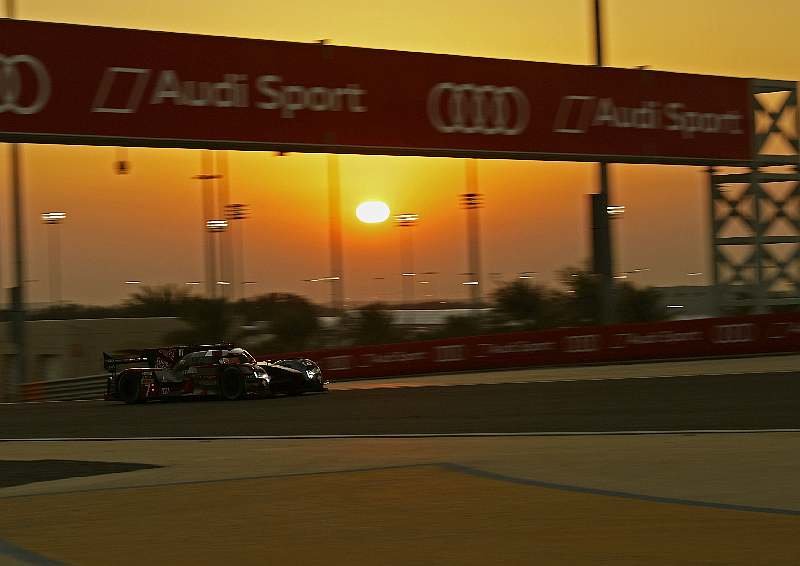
(740, 336)
(86, 387)
(701, 338)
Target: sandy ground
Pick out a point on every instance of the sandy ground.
(726, 498)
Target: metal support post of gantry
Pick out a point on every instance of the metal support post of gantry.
(755, 213)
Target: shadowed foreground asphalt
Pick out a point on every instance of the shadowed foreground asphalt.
(20, 472)
(760, 401)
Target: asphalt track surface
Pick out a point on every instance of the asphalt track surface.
(718, 402)
(501, 469)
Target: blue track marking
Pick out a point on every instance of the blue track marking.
(620, 494)
(22, 556)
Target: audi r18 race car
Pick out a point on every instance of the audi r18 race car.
(220, 369)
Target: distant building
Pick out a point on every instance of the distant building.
(693, 301)
(59, 349)
(437, 317)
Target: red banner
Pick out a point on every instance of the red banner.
(65, 83)
(703, 338)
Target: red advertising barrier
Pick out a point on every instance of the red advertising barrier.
(64, 83)
(762, 334)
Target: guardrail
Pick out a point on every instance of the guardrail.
(86, 387)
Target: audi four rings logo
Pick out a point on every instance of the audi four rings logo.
(12, 98)
(478, 109)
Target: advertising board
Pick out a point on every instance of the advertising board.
(64, 83)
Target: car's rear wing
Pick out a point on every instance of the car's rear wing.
(111, 361)
(155, 357)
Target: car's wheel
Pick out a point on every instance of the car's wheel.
(232, 385)
(129, 388)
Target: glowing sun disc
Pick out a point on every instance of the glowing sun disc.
(372, 212)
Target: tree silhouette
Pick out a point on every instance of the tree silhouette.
(292, 319)
(521, 303)
(371, 324)
(583, 304)
(208, 321)
(639, 305)
(633, 304)
(457, 326)
(164, 300)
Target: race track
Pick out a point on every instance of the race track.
(688, 462)
(717, 402)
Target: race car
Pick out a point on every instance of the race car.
(220, 369)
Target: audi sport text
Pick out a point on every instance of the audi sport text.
(267, 92)
(577, 114)
(292, 98)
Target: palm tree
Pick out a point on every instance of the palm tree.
(292, 319)
(164, 300)
(209, 321)
(372, 324)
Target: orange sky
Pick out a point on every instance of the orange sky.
(145, 225)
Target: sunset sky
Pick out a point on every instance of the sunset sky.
(146, 225)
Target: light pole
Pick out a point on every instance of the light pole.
(18, 290)
(408, 220)
(207, 179)
(377, 287)
(237, 212)
(335, 232)
(603, 259)
(223, 199)
(432, 282)
(472, 201)
(121, 164)
(215, 226)
(472, 283)
(54, 219)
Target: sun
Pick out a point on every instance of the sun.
(372, 212)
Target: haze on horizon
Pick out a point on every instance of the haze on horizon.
(147, 225)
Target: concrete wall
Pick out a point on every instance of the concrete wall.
(59, 349)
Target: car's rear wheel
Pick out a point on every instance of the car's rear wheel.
(129, 388)
(232, 385)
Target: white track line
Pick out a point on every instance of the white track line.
(406, 435)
